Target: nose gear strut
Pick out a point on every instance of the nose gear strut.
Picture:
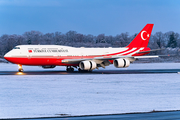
(20, 68)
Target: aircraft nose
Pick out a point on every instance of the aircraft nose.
(7, 55)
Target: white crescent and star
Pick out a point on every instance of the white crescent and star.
(142, 35)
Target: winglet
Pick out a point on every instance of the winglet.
(142, 39)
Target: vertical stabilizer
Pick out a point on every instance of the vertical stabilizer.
(142, 39)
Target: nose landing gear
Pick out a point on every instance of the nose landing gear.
(20, 68)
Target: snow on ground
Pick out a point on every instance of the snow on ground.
(49, 95)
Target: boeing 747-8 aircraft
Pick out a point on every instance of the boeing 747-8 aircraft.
(49, 56)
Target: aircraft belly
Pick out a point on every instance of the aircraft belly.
(40, 61)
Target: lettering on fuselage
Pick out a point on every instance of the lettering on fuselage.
(47, 50)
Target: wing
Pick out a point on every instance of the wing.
(105, 58)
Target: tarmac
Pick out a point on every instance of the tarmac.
(154, 115)
(56, 72)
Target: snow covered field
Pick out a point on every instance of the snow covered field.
(50, 95)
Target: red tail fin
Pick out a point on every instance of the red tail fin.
(142, 39)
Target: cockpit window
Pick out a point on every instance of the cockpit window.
(16, 47)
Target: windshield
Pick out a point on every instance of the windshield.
(16, 48)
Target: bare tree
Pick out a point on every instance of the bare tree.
(172, 41)
(158, 39)
(100, 38)
(33, 36)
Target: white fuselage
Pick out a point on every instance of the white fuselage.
(57, 50)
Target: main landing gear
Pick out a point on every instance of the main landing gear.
(69, 69)
(84, 71)
(20, 68)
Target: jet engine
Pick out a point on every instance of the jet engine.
(87, 65)
(48, 66)
(121, 63)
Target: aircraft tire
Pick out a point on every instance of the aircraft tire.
(20, 70)
(70, 69)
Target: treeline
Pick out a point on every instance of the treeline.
(159, 40)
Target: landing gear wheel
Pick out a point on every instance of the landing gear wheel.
(79, 69)
(20, 70)
(84, 71)
(70, 69)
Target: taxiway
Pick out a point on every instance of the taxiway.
(56, 72)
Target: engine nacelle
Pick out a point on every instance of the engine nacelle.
(121, 63)
(87, 65)
(48, 66)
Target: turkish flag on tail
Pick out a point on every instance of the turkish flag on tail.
(142, 39)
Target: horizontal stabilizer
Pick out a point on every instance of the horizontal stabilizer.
(150, 51)
(152, 56)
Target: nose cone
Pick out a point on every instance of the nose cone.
(10, 57)
(7, 55)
